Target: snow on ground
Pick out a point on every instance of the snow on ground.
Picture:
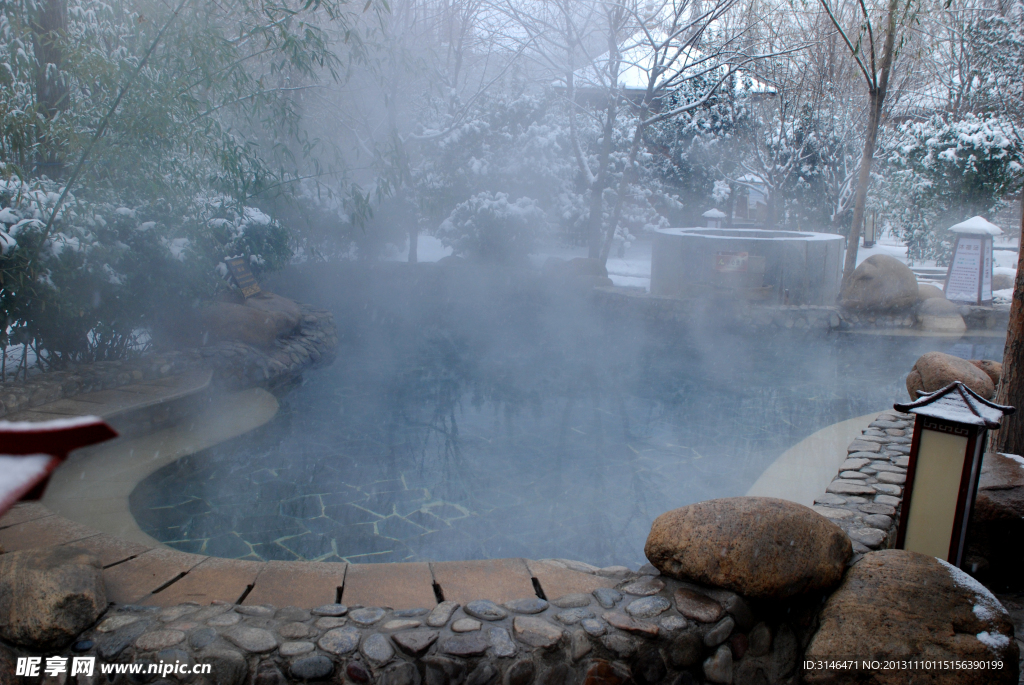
(887, 246)
(1004, 261)
(428, 249)
(632, 269)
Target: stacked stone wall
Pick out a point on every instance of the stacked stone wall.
(235, 366)
(865, 497)
(649, 629)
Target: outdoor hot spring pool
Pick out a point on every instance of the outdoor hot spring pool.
(506, 423)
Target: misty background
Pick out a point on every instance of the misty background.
(142, 142)
(337, 144)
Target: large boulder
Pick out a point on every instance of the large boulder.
(48, 596)
(900, 605)
(927, 291)
(995, 536)
(756, 546)
(940, 315)
(241, 323)
(935, 370)
(1002, 281)
(880, 283)
(992, 369)
(267, 301)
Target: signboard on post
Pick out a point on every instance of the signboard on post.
(969, 278)
(242, 275)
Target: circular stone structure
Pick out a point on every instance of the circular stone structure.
(776, 267)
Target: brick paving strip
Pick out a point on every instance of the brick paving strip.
(156, 576)
(126, 403)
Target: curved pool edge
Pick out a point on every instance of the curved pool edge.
(801, 473)
(93, 487)
(140, 570)
(138, 573)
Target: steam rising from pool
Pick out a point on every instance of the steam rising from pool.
(476, 414)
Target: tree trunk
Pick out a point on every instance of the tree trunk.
(771, 214)
(863, 181)
(876, 99)
(595, 218)
(593, 231)
(624, 181)
(1010, 438)
(48, 28)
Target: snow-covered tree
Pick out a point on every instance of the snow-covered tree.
(873, 34)
(136, 142)
(491, 228)
(941, 172)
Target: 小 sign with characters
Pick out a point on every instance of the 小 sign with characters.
(242, 275)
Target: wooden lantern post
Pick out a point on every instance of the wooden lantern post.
(969, 277)
(945, 463)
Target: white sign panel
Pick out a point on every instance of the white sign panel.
(965, 271)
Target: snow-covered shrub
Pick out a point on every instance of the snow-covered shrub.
(489, 227)
(169, 175)
(106, 272)
(939, 173)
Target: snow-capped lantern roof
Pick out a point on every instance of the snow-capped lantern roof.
(959, 404)
(976, 225)
(713, 214)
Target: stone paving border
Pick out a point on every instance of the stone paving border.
(553, 621)
(864, 499)
(234, 365)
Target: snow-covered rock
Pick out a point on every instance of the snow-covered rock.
(896, 604)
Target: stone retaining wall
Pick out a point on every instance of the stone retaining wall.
(864, 498)
(976, 318)
(235, 366)
(647, 630)
(728, 312)
(763, 317)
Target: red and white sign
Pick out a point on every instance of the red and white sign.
(731, 262)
